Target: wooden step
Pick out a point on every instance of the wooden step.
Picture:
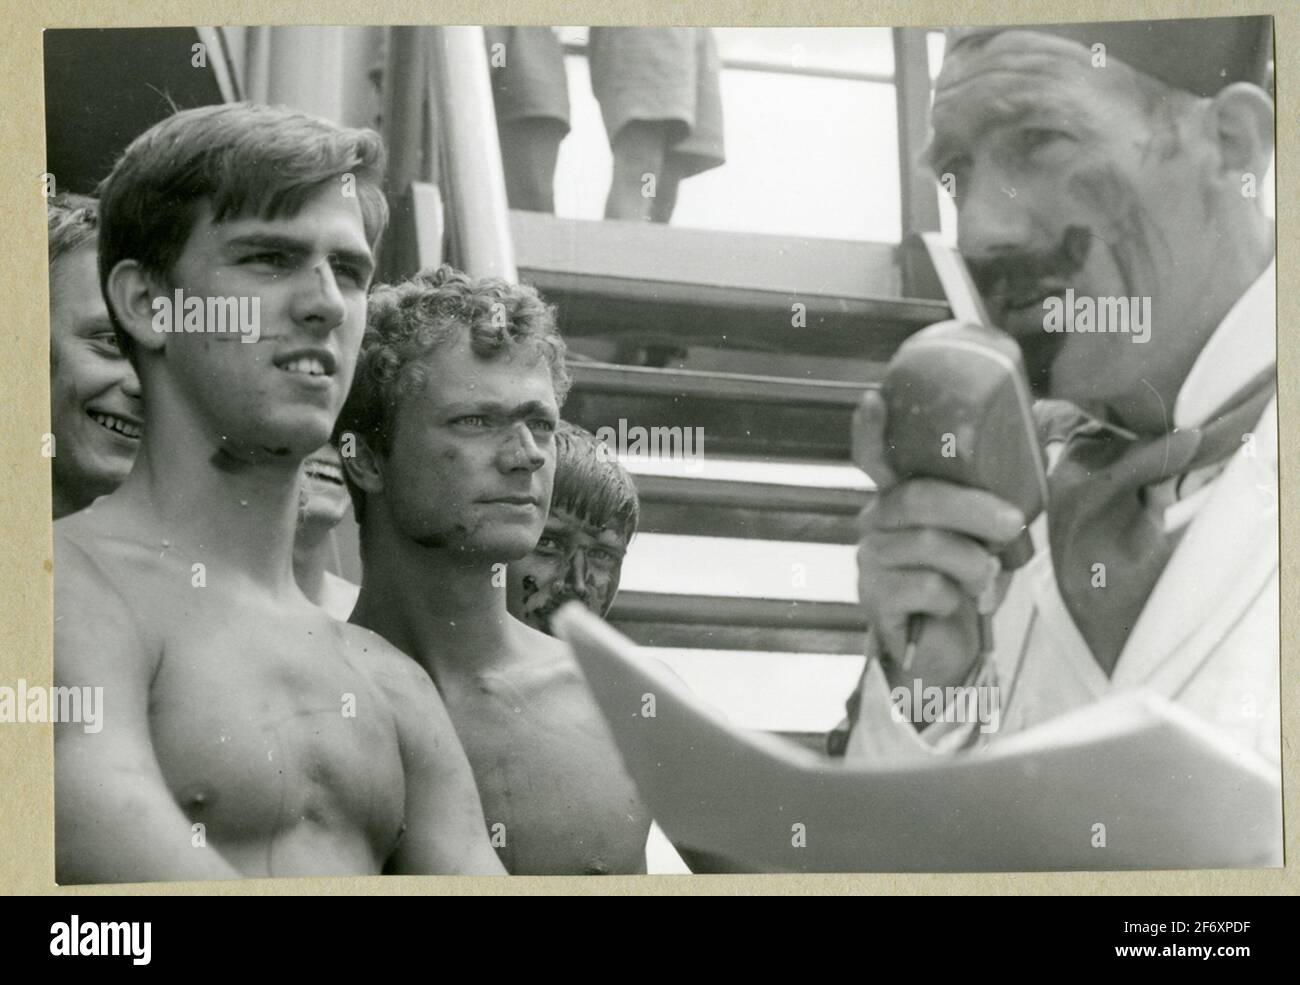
(762, 511)
(757, 416)
(706, 622)
(670, 286)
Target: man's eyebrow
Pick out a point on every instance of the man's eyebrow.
(296, 247)
(269, 241)
(499, 408)
(1004, 111)
(598, 532)
(363, 261)
(942, 146)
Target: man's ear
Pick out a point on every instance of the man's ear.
(1242, 116)
(131, 292)
(361, 462)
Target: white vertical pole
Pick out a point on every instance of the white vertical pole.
(473, 178)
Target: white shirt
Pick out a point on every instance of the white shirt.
(1207, 637)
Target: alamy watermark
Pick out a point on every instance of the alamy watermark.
(37, 704)
(75, 938)
(964, 705)
(199, 315)
(1100, 316)
(683, 444)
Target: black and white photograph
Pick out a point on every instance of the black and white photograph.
(551, 450)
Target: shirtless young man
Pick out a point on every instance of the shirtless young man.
(96, 418)
(246, 733)
(451, 420)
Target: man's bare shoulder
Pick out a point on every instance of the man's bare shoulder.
(87, 554)
(541, 674)
(103, 542)
(543, 660)
(76, 535)
(97, 579)
(396, 673)
(549, 664)
(551, 658)
(432, 754)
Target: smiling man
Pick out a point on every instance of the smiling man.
(95, 413)
(246, 733)
(579, 557)
(1110, 160)
(448, 441)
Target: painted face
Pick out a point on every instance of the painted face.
(574, 561)
(323, 498)
(1063, 180)
(95, 409)
(275, 398)
(473, 454)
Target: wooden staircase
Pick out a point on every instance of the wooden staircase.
(776, 456)
(746, 420)
(765, 343)
(680, 328)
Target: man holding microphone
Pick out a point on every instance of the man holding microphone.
(1114, 160)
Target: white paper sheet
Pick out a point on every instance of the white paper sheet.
(1170, 792)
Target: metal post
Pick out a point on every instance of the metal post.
(920, 202)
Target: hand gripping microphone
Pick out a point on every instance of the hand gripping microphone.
(958, 408)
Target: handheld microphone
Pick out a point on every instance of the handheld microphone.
(958, 408)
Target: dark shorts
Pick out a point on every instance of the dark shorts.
(668, 74)
(528, 78)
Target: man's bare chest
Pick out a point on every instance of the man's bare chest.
(264, 724)
(555, 795)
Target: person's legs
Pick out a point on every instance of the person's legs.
(530, 91)
(665, 201)
(530, 148)
(642, 187)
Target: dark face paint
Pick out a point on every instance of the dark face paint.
(1126, 226)
(573, 562)
(1017, 280)
(1124, 229)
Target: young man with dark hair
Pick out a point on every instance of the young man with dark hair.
(245, 733)
(594, 514)
(448, 444)
(95, 413)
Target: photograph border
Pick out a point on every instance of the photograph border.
(26, 581)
